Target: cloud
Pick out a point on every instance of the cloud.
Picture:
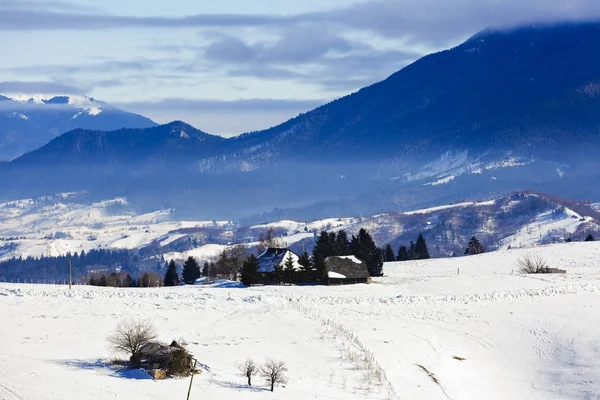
(39, 87)
(306, 54)
(244, 105)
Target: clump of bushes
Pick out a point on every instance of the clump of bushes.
(536, 265)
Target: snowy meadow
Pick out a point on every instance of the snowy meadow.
(458, 328)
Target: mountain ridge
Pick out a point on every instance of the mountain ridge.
(505, 110)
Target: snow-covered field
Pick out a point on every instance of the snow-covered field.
(481, 329)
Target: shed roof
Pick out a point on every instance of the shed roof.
(350, 267)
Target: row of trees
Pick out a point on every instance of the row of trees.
(414, 251)
(122, 279)
(362, 245)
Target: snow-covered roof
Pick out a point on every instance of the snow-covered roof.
(272, 257)
(349, 267)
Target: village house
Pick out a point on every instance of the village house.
(346, 270)
(272, 258)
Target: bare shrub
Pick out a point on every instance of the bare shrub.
(274, 373)
(533, 265)
(248, 369)
(130, 336)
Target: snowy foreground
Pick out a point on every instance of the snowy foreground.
(486, 333)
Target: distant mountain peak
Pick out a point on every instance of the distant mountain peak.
(42, 98)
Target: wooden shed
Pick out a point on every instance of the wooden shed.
(346, 270)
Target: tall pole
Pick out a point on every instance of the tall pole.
(70, 272)
(192, 379)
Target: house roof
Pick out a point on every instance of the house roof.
(349, 267)
(272, 257)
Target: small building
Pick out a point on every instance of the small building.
(346, 270)
(272, 258)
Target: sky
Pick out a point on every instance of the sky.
(234, 66)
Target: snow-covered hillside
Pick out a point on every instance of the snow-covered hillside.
(52, 227)
(462, 328)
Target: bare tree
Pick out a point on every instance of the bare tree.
(131, 336)
(248, 369)
(274, 372)
(533, 265)
(267, 240)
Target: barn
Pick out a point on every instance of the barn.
(346, 270)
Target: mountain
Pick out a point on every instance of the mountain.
(506, 110)
(28, 122)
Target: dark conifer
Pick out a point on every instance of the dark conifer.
(191, 270)
(289, 273)
(421, 250)
(250, 273)
(341, 244)
(402, 254)
(171, 277)
(363, 246)
(474, 247)
(388, 254)
(589, 238)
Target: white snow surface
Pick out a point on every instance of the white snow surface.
(483, 330)
(351, 258)
(56, 229)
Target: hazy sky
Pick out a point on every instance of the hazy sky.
(231, 66)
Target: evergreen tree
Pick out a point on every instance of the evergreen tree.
(402, 254)
(191, 270)
(289, 273)
(171, 277)
(102, 281)
(341, 244)
(127, 281)
(388, 253)
(421, 250)
(474, 247)
(412, 253)
(323, 249)
(306, 268)
(205, 268)
(250, 275)
(363, 246)
(589, 238)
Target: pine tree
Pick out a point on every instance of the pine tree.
(388, 253)
(306, 268)
(341, 244)
(191, 270)
(474, 247)
(127, 281)
(402, 254)
(412, 254)
(363, 246)
(250, 275)
(289, 272)
(421, 250)
(102, 281)
(205, 268)
(589, 238)
(171, 277)
(322, 250)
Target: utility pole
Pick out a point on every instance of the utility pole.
(70, 273)
(192, 379)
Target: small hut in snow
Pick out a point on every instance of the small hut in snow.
(346, 270)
